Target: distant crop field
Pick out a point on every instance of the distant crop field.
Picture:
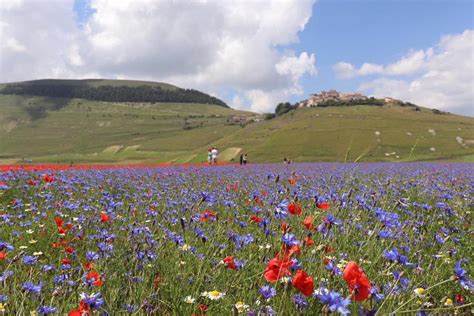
(268, 239)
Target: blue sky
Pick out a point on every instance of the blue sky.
(376, 31)
(253, 54)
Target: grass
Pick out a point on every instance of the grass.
(85, 131)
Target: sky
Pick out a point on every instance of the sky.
(252, 54)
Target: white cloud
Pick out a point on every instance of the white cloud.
(441, 76)
(209, 45)
(34, 38)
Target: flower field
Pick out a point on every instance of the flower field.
(228, 240)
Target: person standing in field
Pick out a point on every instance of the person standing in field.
(209, 156)
(241, 159)
(244, 159)
(215, 154)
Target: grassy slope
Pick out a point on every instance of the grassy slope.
(84, 131)
(349, 134)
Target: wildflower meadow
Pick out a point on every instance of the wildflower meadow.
(314, 239)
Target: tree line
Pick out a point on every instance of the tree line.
(113, 93)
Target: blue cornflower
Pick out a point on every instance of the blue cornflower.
(268, 292)
(5, 245)
(375, 294)
(394, 256)
(3, 298)
(461, 276)
(385, 234)
(30, 260)
(296, 265)
(48, 267)
(330, 219)
(31, 288)
(239, 264)
(331, 266)
(300, 301)
(46, 310)
(333, 300)
(94, 300)
(281, 210)
(130, 308)
(439, 239)
(92, 256)
(4, 275)
(290, 240)
(267, 310)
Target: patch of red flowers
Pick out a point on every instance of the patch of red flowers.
(277, 268)
(308, 222)
(308, 241)
(3, 255)
(294, 208)
(323, 206)
(303, 282)
(48, 178)
(229, 261)
(83, 310)
(94, 277)
(255, 219)
(358, 282)
(206, 215)
(104, 217)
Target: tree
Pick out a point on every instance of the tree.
(283, 108)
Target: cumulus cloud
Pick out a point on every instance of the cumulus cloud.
(441, 76)
(215, 46)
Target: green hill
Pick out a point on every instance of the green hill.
(109, 91)
(51, 129)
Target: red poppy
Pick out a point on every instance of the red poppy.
(95, 277)
(358, 282)
(303, 282)
(323, 206)
(229, 261)
(66, 261)
(294, 250)
(61, 230)
(59, 221)
(69, 250)
(459, 299)
(31, 183)
(88, 265)
(48, 178)
(308, 222)
(255, 219)
(276, 269)
(203, 307)
(104, 217)
(83, 310)
(3, 255)
(308, 241)
(285, 227)
(292, 181)
(258, 200)
(294, 209)
(206, 215)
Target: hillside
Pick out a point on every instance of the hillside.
(48, 129)
(109, 91)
